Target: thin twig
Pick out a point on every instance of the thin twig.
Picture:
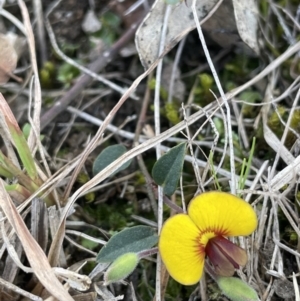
(174, 68)
(158, 150)
(141, 163)
(13, 20)
(70, 61)
(285, 133)
(96, 66)
(38, 13)
(223, 96)
(34, 134)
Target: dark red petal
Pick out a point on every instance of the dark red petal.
(222, 265)
(236, 253)
(225, 255)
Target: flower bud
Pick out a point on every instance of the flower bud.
(122, 267)
(236, 289)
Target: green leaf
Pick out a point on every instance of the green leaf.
(121, 268)
(67, 73)
(26, 131)
(236, 289)
(109, 155)
(134, 239)
(172, 2)
(167, 170)
(250, 96)
(206, 81)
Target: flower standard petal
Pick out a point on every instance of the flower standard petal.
(222, 213)
(180, 250)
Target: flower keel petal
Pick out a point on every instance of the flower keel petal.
(180, 251)
(225, 255)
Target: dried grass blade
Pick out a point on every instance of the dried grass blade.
(16, 289)
(18, 138)
(11, 250)
(286, 175)
(5, 135)
(35, 254)
(296, 287)
(11, 270)
(39, 222)
(37, 87)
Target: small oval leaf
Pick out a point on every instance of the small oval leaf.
(109, 155)
(134, 239)
(167, 170)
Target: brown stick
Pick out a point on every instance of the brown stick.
(85, 79)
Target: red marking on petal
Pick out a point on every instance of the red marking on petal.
(200, 249)
(225, 255)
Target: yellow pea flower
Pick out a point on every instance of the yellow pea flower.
(186, 239)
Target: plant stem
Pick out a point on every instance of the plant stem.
(147, 253)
